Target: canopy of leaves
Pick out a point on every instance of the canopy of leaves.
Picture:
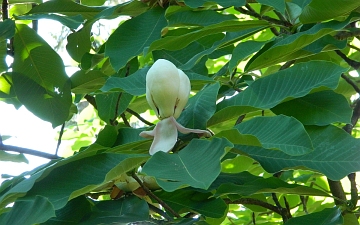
(274, 82)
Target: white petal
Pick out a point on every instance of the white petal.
(165, 136)
(162, 87)
(185, 130)
(147, 134)
(184, 92)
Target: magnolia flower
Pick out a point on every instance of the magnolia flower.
(167, 92)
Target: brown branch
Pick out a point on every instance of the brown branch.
(342, 35)
(137, 115)
(27, 151)
(352, 83)
(161, 202)
(123, 117)
(91, 100)
(252, 201)
(354, 64)
(4, 10)
(113, 121)
(287, 64)
(353, 190)
(337, 191)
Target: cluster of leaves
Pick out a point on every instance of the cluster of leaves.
(270, 80)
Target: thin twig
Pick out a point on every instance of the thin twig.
(4, 10)
(303, 202)
(91, 100)
(123, 117)
(137, 115)
(59, 139)
(27, 151)
(287, 64)
(160, 212)
(354, 64)
(113, 121)
(161, 202)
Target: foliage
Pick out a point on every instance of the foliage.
(272, 80)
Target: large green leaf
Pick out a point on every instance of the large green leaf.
(197, 165)
(202, 203)
(278, 5)
(78, 43)
(201, 18)
(320, 10)
(111, 105)
(266, 185)
(134, 84)
(330, 216)
(32, 211)
(67, 8)
(200, 108)
(7, 29)
(72, 22)
(133, 36)
(267, 92)
(273, 133)
(319, 108)
(335, 154)
(284, 47)
(83, 82)
(181, 41)
(224, 3)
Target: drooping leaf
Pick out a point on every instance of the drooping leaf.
(83, 82)
(79, 43)
(273, 133)
(330, 216)
(133, 36)
(319, 108)
(334, 154)
(278, 5)
(200, 108)
(321, 10)
(267, 92)
(197, 165)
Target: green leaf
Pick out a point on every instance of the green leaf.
(181, 41)
(273, 133)
(334, 154)
(267, 185)
(331, 216)
(5, 156)
(134, 84)
(200, 108)
(243, 50)
(112, 105)
(130, 8)
(320, 10)
(79, 43)
(235, 137)
(278, 5)
(3, 64)
(67, 8)
(284, 47)
(133, 36)
(319, 108)
(202, 203)
(72, 22)
(83, 82)
(223, 3)
(32, 211)
(126, 210)
(267, 92)
(200, 18)
(7, 29)
(197, 165)
(93, 2)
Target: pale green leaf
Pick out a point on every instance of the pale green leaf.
(5, 156)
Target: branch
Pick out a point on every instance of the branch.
(354, 64)
(337, 191)
(4, 10)
(342, 35)
(123, 117)
(28, 151)
(137, 115)
(113, 121)
(252, 201)
(161, 202)
(352, 83)
(59, 139)
(91, 100)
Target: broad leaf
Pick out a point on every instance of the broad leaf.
(112, 105)
(133, 36)
(5, 156)
(7, 29)
(200, 108)
(331, 216)
(319, 108)
(79, 43)
(278, 5)
(72, 22)
(273, 133)
(321, 10)
(224, 3)
(334, 154)
(83, 82)
(267, 92)
(202, 203)
(197, 165)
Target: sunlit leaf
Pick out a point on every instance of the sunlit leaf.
(331, 216)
